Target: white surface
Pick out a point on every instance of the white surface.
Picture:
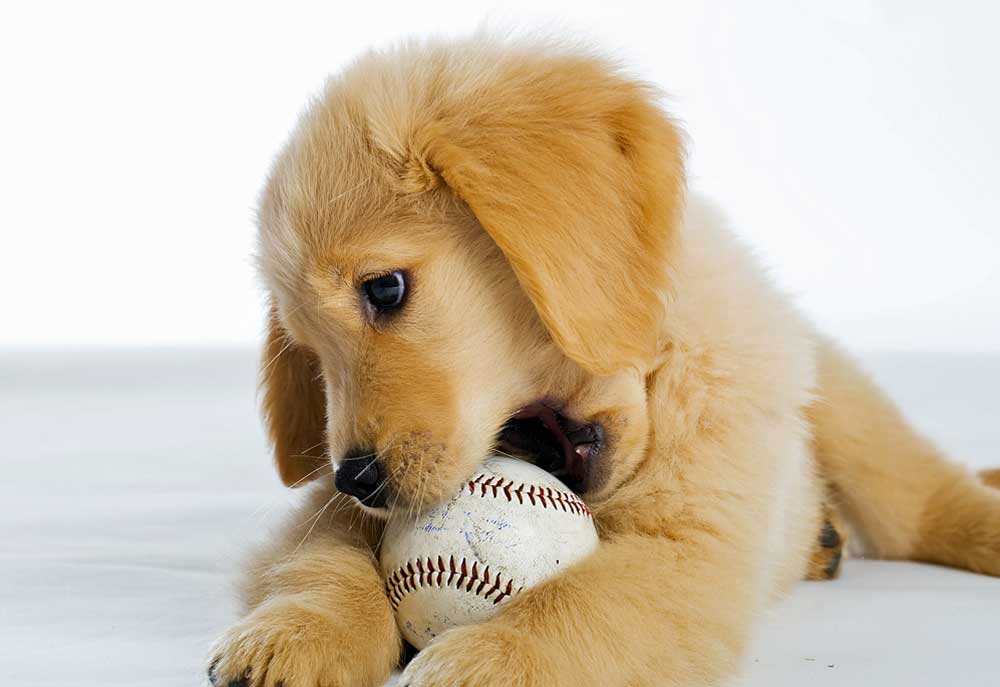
(506, 529)
(132, 483)
(854, 142)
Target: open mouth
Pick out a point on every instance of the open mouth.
(553, 442)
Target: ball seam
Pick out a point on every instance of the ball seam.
(546, 497)
(458, 574)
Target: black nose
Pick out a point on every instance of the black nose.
(362, 478)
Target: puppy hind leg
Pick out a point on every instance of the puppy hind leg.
(904, 497)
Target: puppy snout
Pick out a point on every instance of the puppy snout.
(362, 477)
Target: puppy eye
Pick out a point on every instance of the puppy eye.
(386, 292)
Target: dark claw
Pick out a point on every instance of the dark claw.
(214, 679)
(829, 538)
(834, 566)
(243, 681)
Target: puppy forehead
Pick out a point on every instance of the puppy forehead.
(309, 226)
(342, 200)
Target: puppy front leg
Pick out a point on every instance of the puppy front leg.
(317, 612)
(640, 611)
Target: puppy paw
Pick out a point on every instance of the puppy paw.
(827, 556)
(285, 643)
(488, 655)
(961, 528)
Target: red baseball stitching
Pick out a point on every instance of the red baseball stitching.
(494, 485)
(426, 572)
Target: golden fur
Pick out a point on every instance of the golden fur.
(536, 195)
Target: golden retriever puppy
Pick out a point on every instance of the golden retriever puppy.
(481, 244)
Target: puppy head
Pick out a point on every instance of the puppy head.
(467, 245)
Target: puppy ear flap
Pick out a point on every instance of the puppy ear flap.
(578, 177)
(294, 406)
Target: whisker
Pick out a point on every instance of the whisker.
(316, 519)
(507, 455)
(310, 448)
(288, 344)
(421, 491)
(367, 455)
(385, 483)
(264, 510)
(382, 486)
(344, 503)
(378, 544)
(312, 517)
(309, 474)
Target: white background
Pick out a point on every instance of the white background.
(855, 143)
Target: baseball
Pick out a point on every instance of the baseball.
(511, 526)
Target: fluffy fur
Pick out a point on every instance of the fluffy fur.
(536, 196)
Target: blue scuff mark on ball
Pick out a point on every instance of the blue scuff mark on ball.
(499, 523)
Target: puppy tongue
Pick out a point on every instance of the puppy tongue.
(577, 442)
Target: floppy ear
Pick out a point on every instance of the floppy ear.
(578, 176)
(294, 406)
